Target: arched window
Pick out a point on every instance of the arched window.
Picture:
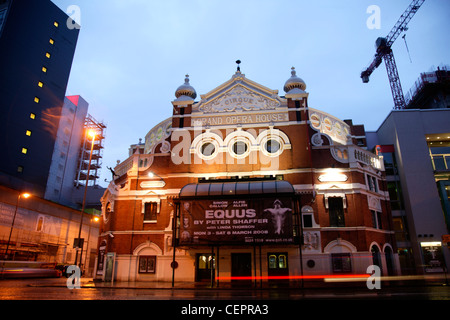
(376, 255)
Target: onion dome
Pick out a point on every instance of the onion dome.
(294, 82)
(186, 90)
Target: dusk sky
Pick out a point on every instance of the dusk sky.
(133, 54)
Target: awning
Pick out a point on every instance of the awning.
(237, 188)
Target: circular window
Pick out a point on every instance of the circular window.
(208, 149)
(272, 146)
(108, 211)
(239, 148)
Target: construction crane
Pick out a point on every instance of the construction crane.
(384, 51)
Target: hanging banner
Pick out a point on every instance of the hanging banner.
(237, 221)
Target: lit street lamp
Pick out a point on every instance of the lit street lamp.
(21, 195)
(91, 133)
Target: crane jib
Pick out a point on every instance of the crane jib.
(384, 51)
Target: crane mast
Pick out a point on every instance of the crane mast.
(384, 51)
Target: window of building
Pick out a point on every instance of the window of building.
(208, 149)
(376, 220)
(108, 211)
(307, 220)
(395, 195)
(24, 150)
(400, 229)
(239, 148)
(151, 210)
(390, 163)
(272, 261)
(272, 146)
(40, 224)
(40, 84)
(28, 133)
(439, 149)
(20, 169)
(336, 211)
(48, 55)
(44, 69)
(147, 264)
(341, 262)
(372, 183)
(278, 261)
(36, 99)
(56, 24)
(51, 41)
(32, 116)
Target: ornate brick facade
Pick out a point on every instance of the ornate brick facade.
(244, 135)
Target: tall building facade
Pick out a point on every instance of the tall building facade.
(36, 53)
(63, 168)
(70, 161)
(246, 184)
(415, 144)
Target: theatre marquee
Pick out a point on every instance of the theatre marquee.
(237, 213)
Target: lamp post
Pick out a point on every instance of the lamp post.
(91, 133)
(94, 219)
(21, 195)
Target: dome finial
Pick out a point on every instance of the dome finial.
(186, 89)
(294, 82)
(293, 72)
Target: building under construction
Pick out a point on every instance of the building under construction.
(430, 91)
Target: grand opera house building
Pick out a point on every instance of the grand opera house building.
(245, 184)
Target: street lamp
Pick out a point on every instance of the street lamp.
(93, 219)
(21, 195)
(91, 133)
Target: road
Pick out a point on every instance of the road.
(56, 289)
(27, 296)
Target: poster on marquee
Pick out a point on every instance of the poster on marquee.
(236, 221)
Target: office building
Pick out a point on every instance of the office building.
(36, 53)
(415, 144)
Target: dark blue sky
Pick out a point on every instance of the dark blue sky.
(133, 54)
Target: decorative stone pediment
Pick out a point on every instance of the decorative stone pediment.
(240, 99)
(239, 95)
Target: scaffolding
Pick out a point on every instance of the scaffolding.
(428, 85)
(90, 124)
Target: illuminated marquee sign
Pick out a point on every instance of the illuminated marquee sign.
(237, 221)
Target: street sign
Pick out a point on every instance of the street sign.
(78, 242)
